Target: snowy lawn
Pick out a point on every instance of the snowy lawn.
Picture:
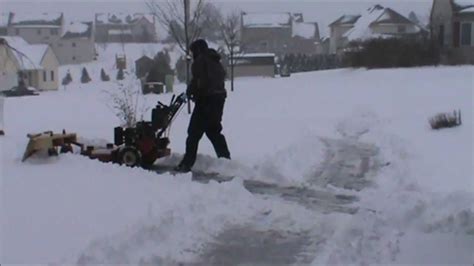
(419, 208)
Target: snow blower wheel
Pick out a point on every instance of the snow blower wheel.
(130, 156)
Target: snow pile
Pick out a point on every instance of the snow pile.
(464, 3)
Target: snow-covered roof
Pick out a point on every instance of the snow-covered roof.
(78, 30)
(121, 18)
(346, 19)
(375, 15)
(256, 55)
(305, 30)
(36, 19)
(464, 6)
(266, 20)
(28, 55)
(4, 17)
(120, 32)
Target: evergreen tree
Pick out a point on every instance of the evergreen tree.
(85, 78)
(104, 76)
(67, 79)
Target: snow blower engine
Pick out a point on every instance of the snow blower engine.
(143, 144)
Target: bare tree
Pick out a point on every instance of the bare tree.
(183, 25)
(127, 102)
(230, 31)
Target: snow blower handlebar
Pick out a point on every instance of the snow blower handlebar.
(163, 115)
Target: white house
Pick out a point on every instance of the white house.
(36, 27)
(77, 44)
(36, 65)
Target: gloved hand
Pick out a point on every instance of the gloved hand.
(189, 93)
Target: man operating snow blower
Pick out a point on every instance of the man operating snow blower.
(207, 90)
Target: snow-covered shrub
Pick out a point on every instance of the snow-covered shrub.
(104, 76)
(67, 79)
(85, 78)
(446, 120)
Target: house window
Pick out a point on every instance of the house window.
(3, 31)
(264, 45)
(54, 31)
(52, 75)
(39, 31)
(441, 35)
(402, 29)
(466, 31)
(17, 31)
(73, 44)
(44, 76)
(73, 58)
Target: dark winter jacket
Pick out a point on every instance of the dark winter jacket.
(208, 76)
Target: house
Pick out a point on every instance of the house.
(256, 64)
(35, 65)
(77, 44)
(4, 19)
(452, 26)
(125, 28)
(35, 28)
(278, 33)
(375, 22)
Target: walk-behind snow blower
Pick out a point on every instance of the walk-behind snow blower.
(140, 145)
(143, 144)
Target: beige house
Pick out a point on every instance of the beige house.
(36, 28)
(452, 25)
(376, 22)
(125, 28)
(35, 65)
(278, 33)
(77, 44)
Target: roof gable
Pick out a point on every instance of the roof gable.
(29, 56)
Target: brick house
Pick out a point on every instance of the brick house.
(125, 28)
(278, 33)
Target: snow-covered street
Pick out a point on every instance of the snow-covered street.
(329, 167)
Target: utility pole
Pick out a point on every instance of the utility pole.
(186, 34)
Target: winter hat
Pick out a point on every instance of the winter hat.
(198, 47)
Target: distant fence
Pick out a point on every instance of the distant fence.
(303, 63)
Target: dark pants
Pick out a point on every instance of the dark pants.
(206, 118)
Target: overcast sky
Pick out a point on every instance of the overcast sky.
(321, 11)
